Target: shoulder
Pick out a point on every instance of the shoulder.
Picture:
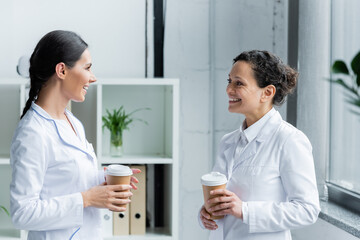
(229, 136)
(31, 124)
(30, 137)
(291, 135)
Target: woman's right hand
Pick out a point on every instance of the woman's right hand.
(107, 196)
(206, 221)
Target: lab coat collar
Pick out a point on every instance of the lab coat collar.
(70, 140)
(267, 130)
(256, 130)
(253, 131)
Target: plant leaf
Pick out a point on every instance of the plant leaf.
(347, 87)
(117, 120)
(5, 210)
(340, 67)
(355, 64)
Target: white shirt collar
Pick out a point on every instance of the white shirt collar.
(252, 131)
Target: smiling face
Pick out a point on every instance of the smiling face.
(245, 96)
(78, 78)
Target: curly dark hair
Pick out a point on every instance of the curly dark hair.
(270, 70)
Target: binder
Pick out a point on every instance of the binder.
(138, 204)
(121, 222)
(107, 222)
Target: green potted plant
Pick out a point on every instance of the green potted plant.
(352, 88)
(116, 122)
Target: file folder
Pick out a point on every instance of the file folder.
(107, 222)
(138, 204)
(121, 222)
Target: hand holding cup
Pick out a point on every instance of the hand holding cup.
(225, 203)
(210, 182)
(120, 175)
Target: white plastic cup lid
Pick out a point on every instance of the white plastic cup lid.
(118, 170)
(213, 179)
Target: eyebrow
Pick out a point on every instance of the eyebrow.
(238, 78)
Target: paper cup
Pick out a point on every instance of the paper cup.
(212, 181)
(119, 175)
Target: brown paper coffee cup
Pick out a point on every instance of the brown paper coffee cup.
(119, 175)
(212, 181)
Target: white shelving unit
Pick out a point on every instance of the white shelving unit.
(152, 144)
(12, 101)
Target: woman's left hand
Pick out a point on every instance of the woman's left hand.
(134, 179)
(227, 203)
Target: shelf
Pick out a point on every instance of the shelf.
(137, 81)
(152, 234)
(14, 81)
(4, 160)
(135, 159)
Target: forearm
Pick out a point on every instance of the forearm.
(50, 214)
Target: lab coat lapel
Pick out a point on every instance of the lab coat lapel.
(260, 140)
(252, 148)
(68, 139)
(74, 140)
(231, 144)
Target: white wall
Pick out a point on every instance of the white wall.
(114, 30)
(186, 56)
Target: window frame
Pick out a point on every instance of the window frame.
(337, 194)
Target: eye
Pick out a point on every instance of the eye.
(228, 80)
(238, 83)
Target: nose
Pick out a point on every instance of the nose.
(92, 78)
(229, 89)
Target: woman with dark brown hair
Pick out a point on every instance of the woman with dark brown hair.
(269, 165)
(57, 189)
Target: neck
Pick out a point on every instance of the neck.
(52, 101)
(257, 115)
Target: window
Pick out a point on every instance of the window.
(344, 163)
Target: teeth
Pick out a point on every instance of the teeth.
(86, 88)
(234, 100)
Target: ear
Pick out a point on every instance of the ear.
(268, 93)
(60, 70)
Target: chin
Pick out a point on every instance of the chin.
(78, 99)
(232, 110)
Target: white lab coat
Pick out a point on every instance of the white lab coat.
(51, 166)
(274, 177)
